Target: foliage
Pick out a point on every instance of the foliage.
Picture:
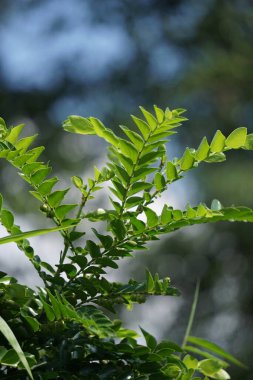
(62, 330)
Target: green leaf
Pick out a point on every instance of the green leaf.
(152, 218)
(24, 143)
(237, 138)
(78, 124)
(249, 142)
(143, 127)
(55, 198)
(150, 282)
(159, 181)
(142, 173)
(93, 249)
(7, 332)
(190, 362)
(171, 171)
(128, 149)
(187, 160)
(221, 375)
(38, 177)
(48, 310)
(138, 225)
(106, 240)
(35, 152)
(30, 168)
(104, 132)
(215, 349)
(35, 325)
(14, 133)
(159, 114)
(133, 201)
(166, 215)
(134, 137)
(150, 340)
(151, 120)
(118, 228)
(209, 366)
(7, 219)
(63, 210)
(46, 187)
(139, 186)
(218, 142)
(216, 157)
(202, 151)
(120, 189)
(29, 234)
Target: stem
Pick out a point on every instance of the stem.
(192, 315)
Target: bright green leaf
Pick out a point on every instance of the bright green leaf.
(237, 138)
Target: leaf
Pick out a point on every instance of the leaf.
(78, 124)
(159, 114)
(143, 127)
(249, 142)
(106, 240)
(24, 143)
(171, 171)
(134, 137)
(35, 152)
(166, 215)
(55, 198)
(62, 210)
(152, 218)
(7, 332)
(150, 340)
(209, 366)
(46, 187)
(215, 349)
(14, 133)
(202, 151)
(142, 173)
(118, 228)
(237, 138)
(7, 219)
(133, 201)
(128, 149)
(151, 120)
(159, 181)
(139, 186)
(93, 249)
(150, 282)
(35, 325)
(29, 234)
(187, 160)
(138, 225)
(218, 142)
(216, 157)
(38, 177)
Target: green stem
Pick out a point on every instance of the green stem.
(192, 315)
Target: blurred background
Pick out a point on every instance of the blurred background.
(104, 58)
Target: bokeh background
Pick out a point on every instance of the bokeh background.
(104, 58)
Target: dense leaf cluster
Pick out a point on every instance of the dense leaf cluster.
(62, 330)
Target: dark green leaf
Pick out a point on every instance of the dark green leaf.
(150, 340)
(118, 228)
